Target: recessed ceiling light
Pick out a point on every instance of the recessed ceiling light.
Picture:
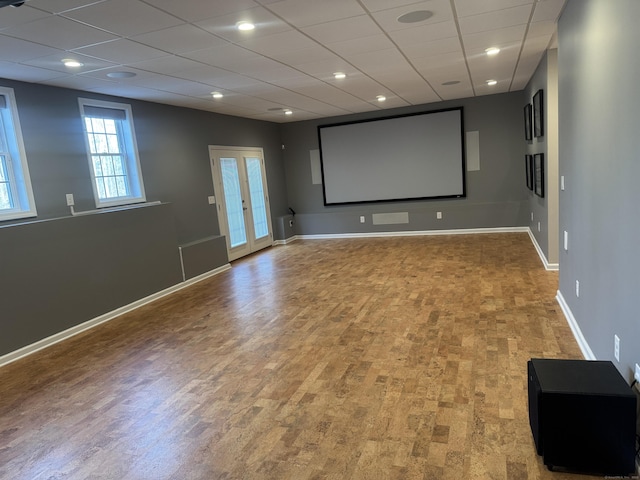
(451, 82)
(288, 112)
(339, 75)
(492, 82)
(121, 74)
(216, 95)
(415, 16)
(492, 51)
(70, 62)
(245, 26)
(381, 98)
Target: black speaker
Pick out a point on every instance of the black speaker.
(582, 415)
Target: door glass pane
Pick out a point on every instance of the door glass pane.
(233, 200)
(256, 190)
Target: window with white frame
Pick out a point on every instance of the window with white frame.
(112, 153)
(16, 196)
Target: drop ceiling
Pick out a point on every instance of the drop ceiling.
(183, 50)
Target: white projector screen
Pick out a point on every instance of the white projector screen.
(406, 157)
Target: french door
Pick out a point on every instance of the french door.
(242, 199)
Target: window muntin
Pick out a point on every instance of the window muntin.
(112, 153)
(16, 196)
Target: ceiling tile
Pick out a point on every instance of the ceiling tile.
(388, 19)
(12, 17)
(59, 32)
(315, 53)
(377, 5)
(225, 26)
(195, 10)
(303, 13)
(179, 39)
(508, 17)
(278, 43)
(344, 29)
(16, 50)
(59, 6)
(549, 10)
(54, 62)
(424, 33)
(169, 64)
(433, 47)
(121, 51)
(124, 17)
(361, 45)
(494, 38)
(466, 8)
(26, 73)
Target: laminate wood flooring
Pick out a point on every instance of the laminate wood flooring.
(381, 358)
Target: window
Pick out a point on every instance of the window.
(112, 152)
(16, 196)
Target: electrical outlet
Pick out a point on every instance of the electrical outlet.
(361, 218)
(70, 201)
(566, 240)
(291, 223)
(577, 288)
(561, 182)
(616, 347)
(211, 199)
(439, 215)
(637, 375)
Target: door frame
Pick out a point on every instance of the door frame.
(241, 152)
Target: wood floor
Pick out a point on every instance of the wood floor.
(388, 358)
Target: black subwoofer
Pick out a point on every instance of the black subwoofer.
(582, 415)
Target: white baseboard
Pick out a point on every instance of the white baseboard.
(409, 233)
(70, 332)
(573, 324)
(545, 262)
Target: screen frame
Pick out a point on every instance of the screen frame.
(463, 162)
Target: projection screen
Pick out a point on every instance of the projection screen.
(406, 157)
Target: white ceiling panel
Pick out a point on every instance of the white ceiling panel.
(388, 19)
(345, 29)
(121, 51)
(466, 8)
(361, 45)
(494, 38)
(424, 34)
(58, 32)
(377, 5)
(54, 62)
(179, 39)
(485, 22)
(182, 51)
(26, 73)
(11, 17)
(196, 10)
(435, 47)
(168, 65)
(123, 17)
(225, 26)
(59, 6)
(16, 50)
(279, 42)
(302, 13)
(548, 10)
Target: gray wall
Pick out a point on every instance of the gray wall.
(599, 123)
(58, 271)
(544, 224)
(496, 194)
(172, 143)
